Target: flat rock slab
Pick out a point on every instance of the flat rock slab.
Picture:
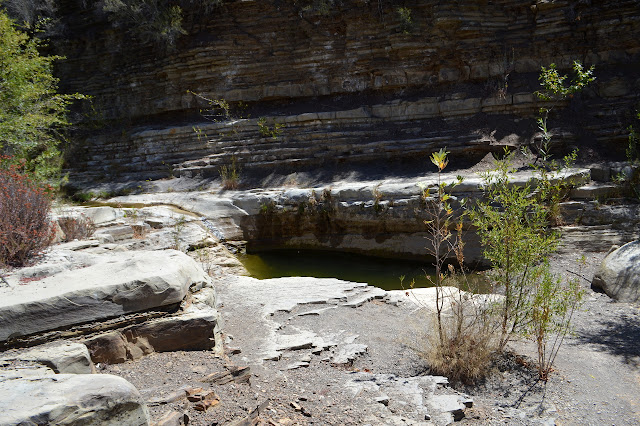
(116, 284)
(70, 399)
(61, 357)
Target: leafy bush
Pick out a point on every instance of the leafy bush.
(513, 225)
(25, 228)
(158, 21)
(31, 112)
(406, 22)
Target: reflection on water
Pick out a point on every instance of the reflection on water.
(379, 272)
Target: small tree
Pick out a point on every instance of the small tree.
(513, 225)
(32, 114)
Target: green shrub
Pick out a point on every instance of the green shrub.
(268, 131)
(230, 174)
(513, 225)
(25, 228)
(406, 22)
(157, 21)
(31, 112)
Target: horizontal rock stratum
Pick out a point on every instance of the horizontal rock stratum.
(351, 85)
(114, 284)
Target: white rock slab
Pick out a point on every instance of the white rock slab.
(61, 357)
(88, 399)
(118, 283)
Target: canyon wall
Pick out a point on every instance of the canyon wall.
(353, 85)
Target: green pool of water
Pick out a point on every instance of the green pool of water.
(379, 272)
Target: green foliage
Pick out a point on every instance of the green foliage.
(268, 131)
(32, 114)
(230, 174)
(554, 85)
(553, 303)
(555, 89)
(157, 21)
(512, 225)
(406, 22)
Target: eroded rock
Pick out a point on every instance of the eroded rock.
(61, 357)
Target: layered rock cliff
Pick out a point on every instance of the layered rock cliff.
(353, 85)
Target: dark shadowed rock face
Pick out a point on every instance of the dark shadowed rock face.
(350, 86)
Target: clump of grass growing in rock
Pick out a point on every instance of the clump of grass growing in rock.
(230, 174)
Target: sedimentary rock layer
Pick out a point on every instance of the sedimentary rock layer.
(355, 84)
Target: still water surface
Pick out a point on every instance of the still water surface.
(379, 272)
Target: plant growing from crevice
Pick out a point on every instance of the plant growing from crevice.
(178, 230)
(377, 197)
(230, 174)
(406, 21)
(555, 89)
(269, 131)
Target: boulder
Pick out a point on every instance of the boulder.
(70, 399)
(619, 274)
(192, 331)
(118, 283)
(187, 331)
(108, 348)
(61, 357)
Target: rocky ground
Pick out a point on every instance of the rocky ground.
(596, 379)
(324, 351)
